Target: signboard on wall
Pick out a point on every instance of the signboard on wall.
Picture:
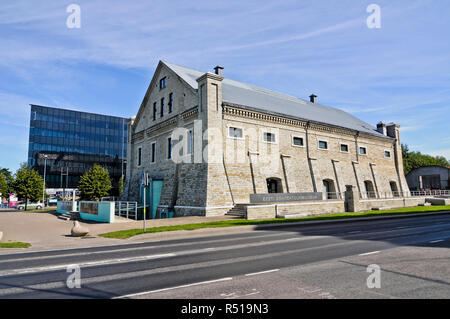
(89, 207)
(284, 197)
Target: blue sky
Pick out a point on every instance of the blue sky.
(398, 73)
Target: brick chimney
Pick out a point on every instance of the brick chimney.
(313, 98)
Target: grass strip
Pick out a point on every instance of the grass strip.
(15, 245)
(124, 234)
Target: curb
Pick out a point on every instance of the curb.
(353, 219)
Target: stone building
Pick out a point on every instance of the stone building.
(429, 178)
(214, 141)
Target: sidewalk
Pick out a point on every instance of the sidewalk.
(47, 231)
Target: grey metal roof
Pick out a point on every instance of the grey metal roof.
(253, 97)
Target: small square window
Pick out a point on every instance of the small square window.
(297, 141)
(387, 154)
(162, 83)
(269, 137)
(362, 151)
(235, 132)
(344, 148)
(323, 145)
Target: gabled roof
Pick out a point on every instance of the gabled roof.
(256, 98)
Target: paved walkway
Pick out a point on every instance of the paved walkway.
(47, 231)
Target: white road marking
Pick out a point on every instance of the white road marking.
(262, 272)
(436, 241)
(401, 227)
(85, 264)
(355, 232)
(171, 288)
(370, 253)
(112, 251)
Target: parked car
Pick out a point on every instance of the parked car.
(37, 205)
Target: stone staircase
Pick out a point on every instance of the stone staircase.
(237, 211)
(70, 216)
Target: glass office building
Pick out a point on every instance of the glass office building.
(71, 142)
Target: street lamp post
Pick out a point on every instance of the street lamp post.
(43, 187)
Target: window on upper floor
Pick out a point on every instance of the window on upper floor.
(387, 154)
(154, 111)
(163, 83)
(162, 107)
(235, 132)
(344, 148)
(269, 137)
(363, 150)
(297, 141)
(323, 145)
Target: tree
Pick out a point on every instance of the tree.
(95, 183)
(3, 187)
(28, 184)
(121, 186)
(413, 160)
(9, 178)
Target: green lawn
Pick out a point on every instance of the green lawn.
(123, 234)
(15, 245)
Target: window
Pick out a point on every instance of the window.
(235, 132)
(154, 111)
(153, 159)
(191, 142)
(387, 154)
(323, 145)
(297, 141)
(362, 151)
(139, 159)
(169, 148)
(170, 102)
(162, 83)
(162, 107)
(344, 148)
(269, 137)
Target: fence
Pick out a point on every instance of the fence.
(409, 194)
(127, 210)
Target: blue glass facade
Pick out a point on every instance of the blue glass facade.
(73, 142)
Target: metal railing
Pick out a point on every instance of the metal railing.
(436, 192)
(127, 210)
(408, 194)
(333, 195)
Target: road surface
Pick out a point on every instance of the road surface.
(291, 261)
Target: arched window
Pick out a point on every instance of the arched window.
(274, 185)
(370, 189)
(394, 189)
(329, 189)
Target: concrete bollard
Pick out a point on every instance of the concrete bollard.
(78, 230)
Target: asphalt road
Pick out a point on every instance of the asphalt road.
(308, 261)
